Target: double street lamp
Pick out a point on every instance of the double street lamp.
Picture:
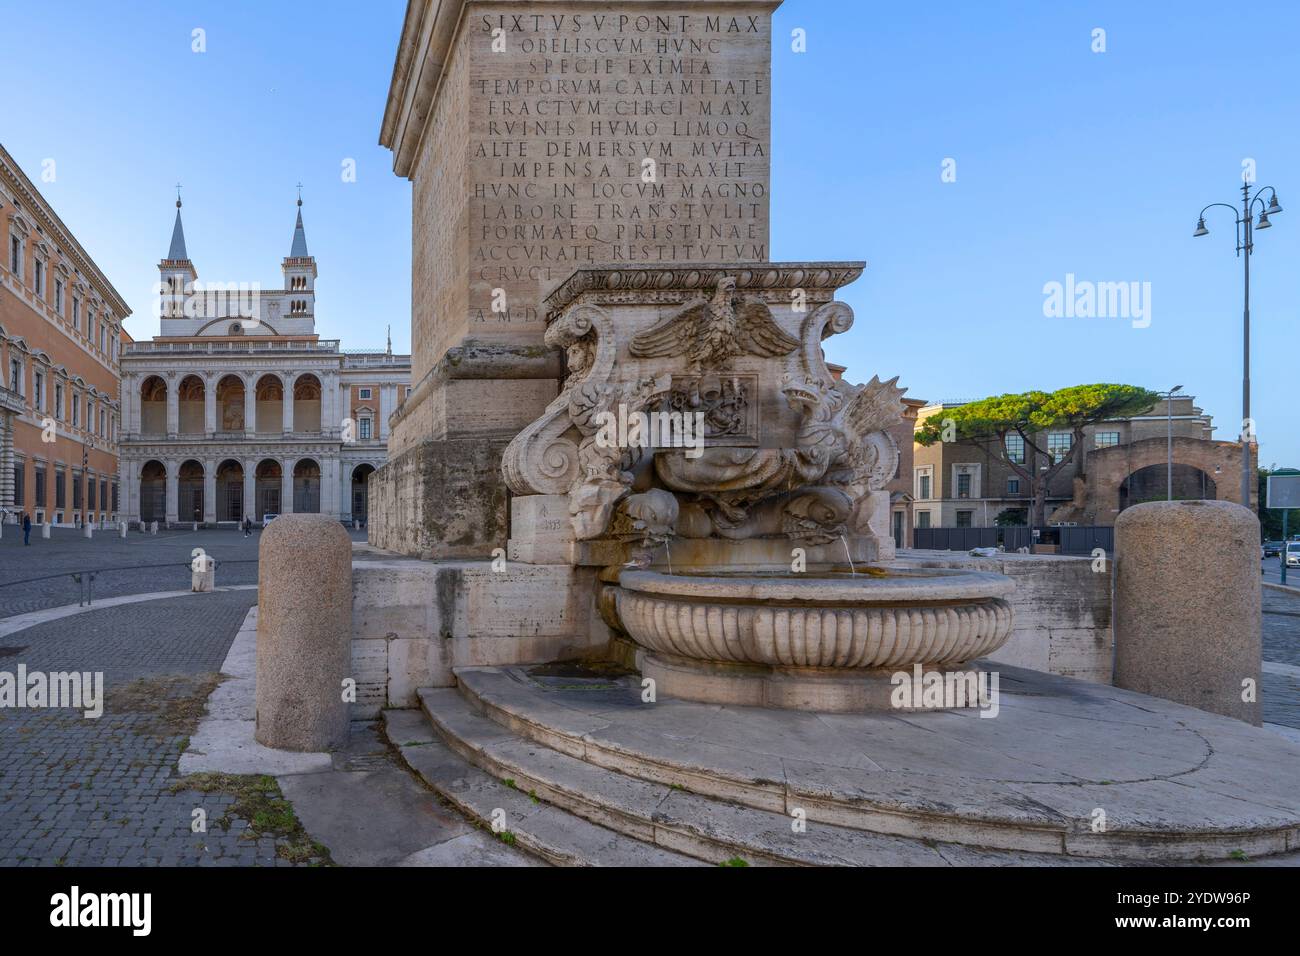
(1246, 226)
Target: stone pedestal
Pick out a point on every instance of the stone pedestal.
(203, 574)
(640, 170)
(1187, 605)
(304, 633)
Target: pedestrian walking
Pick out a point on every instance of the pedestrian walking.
(248, 526)
(27, 528)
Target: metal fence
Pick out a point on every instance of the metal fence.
(83, 586)
(1081, 540)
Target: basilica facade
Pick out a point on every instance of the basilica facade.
(239, 409)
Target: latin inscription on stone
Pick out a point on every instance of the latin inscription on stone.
(611, 138)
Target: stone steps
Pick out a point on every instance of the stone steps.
(981, 816)
(545, 831)
(674, 819)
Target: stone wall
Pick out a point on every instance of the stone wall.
(1062, 610)
(413, 621)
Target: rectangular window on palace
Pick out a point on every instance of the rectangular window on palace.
(964, 518)
(60, 489)
(1016, 449)
(20, 471)
(15, 254)
(40, 487)
(38, 391)
(1107, 439)
(58, 402)
(1013, 486)
(363, 427)
(76, 491)
(115, 507)
(16, 376)
(923, 490)
(923, 519)
(963, 486)
(1058, 444)
(58, 296)
(90, 494)
(363, 393)
(38, 277)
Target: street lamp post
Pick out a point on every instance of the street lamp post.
(1169, 467)
(1246, 227)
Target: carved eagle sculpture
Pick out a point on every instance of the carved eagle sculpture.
(710, 333)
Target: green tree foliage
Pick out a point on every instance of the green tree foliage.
(989, 421)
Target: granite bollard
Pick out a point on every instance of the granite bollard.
(203, 572)
(1187, 605)
(304, 633)
(45, 530)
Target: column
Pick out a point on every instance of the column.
(385, 409)
(209, 491)
(329, 487)
(209, 405)
(250, 406)
(286, 487)
(287, 416)
(346, 410)
(329, 393)
(173, 408)
(343, 488)
(6, 460)
(173, 503)
(250, 490)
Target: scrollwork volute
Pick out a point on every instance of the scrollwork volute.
(543, 459)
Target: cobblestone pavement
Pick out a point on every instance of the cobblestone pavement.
(94, 792)
(1280, 696)
(136, 564)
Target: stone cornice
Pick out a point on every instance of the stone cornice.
(34, 203)
(819, 279)
(429, 33)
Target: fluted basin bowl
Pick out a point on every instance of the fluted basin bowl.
(808, 628)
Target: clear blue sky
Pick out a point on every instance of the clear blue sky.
(1068, 161)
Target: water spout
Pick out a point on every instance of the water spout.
(668, 552)
(853, 572)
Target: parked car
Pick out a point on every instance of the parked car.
(1273, 548)
(268, 518)
(1293, 554)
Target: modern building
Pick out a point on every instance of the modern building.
(239, 408)
(60, 339)
(1124, 462)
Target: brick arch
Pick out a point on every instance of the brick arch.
(1109, 468)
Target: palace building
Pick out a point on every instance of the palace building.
(238, 407)
(60, 338)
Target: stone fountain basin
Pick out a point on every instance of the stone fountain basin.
(823, 618)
